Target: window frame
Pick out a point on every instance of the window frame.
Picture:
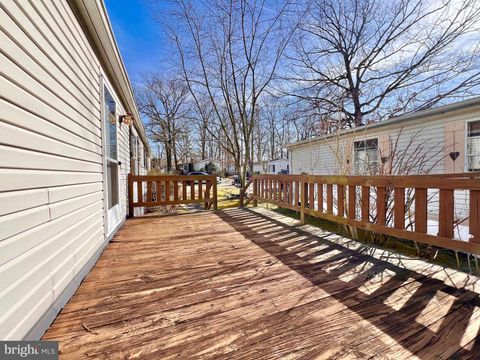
(466, 157)
(355, 151)
(112, 198)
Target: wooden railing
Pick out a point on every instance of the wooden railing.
(164, 190)
(396, 206)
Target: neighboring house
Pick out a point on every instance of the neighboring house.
(230, 169)
(65, 154)
(441, 140)
(259, 167)
(277, 166)
(199, 165)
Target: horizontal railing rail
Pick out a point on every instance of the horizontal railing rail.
(398, 206)
(164, 190)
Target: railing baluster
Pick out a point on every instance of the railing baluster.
(340, 200)
(270, 191)
(275, 197)
(365, 203)
(330, 198)
(381, 205)
(149, 191)
(207, 194)
(297, 193)
(474, 216)
(175, 191)
(192, 189)
(399, 208)
(352, 198)
(280, 190)
(320, 197)
(421, 210)
(200, 189)
(311, 194)
(184, 190)
(446, 213)
(139, 191)
(167, 191)
(303, 199)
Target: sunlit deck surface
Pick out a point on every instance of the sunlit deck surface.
(257, 285)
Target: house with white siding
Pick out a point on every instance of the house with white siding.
(441, 140)
(278, 166)
(69, 135)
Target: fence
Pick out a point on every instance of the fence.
(163, 190)
(396, 206)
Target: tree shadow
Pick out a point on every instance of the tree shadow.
(422, 314)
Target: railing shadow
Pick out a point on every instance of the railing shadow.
(366, 285)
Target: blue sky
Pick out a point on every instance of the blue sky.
(138, 35)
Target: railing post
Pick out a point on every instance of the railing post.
(255, 203)
(130, 196)
(303, 197)
(215, 200)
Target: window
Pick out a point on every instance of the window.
(366, 157)
(134, 154)
(111, 126)
(111, 148)
(145, 159)
(473, 146)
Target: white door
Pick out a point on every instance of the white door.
(110, 163)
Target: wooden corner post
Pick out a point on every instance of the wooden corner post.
(303, 197)
(215, 197)
(255, 191)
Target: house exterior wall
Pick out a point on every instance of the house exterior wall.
(424, 145)
(279, 165)
(199, 165)
(435, 136)
(52, 221)
(258, 168)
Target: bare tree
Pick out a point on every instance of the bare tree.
(229, 52)
(370, 59)
(163, 102)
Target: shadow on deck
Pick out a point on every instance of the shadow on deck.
(246, 284)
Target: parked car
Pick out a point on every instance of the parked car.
(196, 173)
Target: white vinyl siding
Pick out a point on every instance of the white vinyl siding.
(421, 144)
(51, 162)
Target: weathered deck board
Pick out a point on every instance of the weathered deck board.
(240, 284)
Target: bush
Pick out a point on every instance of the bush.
(211, 168)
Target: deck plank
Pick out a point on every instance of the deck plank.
(245, 284)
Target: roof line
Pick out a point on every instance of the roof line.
(97, 24)
(456, 106)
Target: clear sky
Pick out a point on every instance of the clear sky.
(138, 35)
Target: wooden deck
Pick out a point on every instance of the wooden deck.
(244, 284)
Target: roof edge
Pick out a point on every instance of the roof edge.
(98, 28)
(456, 106)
